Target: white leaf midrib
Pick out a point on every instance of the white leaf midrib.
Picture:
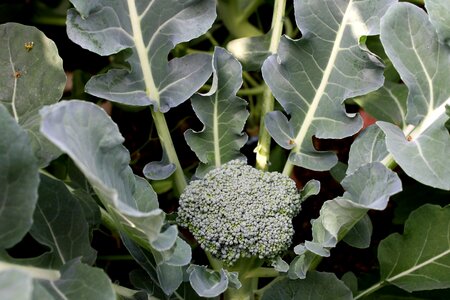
(151, 89)
(309, 118)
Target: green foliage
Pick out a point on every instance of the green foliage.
(218, 225)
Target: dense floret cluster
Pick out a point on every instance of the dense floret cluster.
(238, 211)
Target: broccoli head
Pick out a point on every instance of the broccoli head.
(237, 211)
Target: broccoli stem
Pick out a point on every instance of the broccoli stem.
(244, 266)
(246, 292)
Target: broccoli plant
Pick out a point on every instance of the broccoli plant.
(271, 150)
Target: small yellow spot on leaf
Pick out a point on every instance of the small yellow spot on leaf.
(17, 74)
(28, 46)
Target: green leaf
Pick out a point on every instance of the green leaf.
(311, 77)
(79, 281)
(360, 235)
(92, 140)
(316, 286)
(223, 115)
(440, 17)
(74, 281)
(59, 223)
(165, 278)
(31, 78)
(207, 283)
(151, 29)
(420, 258)
(19, 181)
(368, 147)
(251, 51)
(411, 42)
(369, 187)
(387, 103)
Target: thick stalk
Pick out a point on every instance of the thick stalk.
(245, 267)
(169, 149)
(263, 148)
(246, 292)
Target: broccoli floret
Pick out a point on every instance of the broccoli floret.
(237, 211)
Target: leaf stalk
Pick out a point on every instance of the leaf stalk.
(263, 148)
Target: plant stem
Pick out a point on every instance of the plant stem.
(245, 292)
(169, 149)
(263, 148)
(370, 290)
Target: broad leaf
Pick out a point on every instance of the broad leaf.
(387, 103)
(412, 45)
(19, 181)
(440, 18)
(360, 235)
(420, 258)
(311, 77)
(223, 115)
(316, 286)
(163, 277)
(369, 187)
(59, 223)
(33, 76)
(368, 147)
(73, 281)
(92, 140)
(151, 29)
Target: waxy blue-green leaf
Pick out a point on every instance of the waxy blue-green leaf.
(311, 77)
(32, 76)
(73, 281)
(59, 224)
(151, 29)
(207, 283)
(411, 42)
(223, 115)
(19, 181)
(420, 258)
(92, 140)
(251, 51)
(361, 233)
(368, 147)
(369, 187)
(316, 286)
(387, 103)
(164, 277)
(440, 17)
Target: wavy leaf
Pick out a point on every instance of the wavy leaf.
(369, 146)
(151, 29)
(387, 103)
(369, 187)
(223, 115)
(208, 283)
(420, 258)
(316, 286)
(33, 77)
(88, 135)
(19, 181)
(411, 42)
(311, 77)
